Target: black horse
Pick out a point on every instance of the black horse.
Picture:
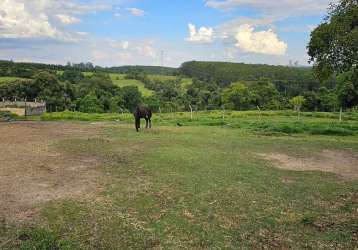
(143, 112)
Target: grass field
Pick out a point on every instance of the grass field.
(198, 186)
(119, 80)
(7, 79)
(184, 81)
(264, 123)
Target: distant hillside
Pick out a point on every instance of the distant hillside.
(152, 70)
(8, 79)
(202, 85)
(23, 69)
(225, 73)
(121, 81)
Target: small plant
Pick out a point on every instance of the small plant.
(7, 116)
(297, 103)
(43, 239)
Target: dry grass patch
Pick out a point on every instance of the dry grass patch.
(33, 171)
(342, 163)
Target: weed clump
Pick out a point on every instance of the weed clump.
(40, 238)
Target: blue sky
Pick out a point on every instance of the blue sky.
(136, 32)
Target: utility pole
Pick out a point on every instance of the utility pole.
(162, 60)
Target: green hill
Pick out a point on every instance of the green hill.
(7, 79)
(156, 70)
(184, 81)
(119, 80)
(226, 72)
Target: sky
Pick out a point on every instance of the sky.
(158, 32)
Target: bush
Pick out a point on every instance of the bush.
(331, 131)
(78, 116)
(7, 116)
(90, 104)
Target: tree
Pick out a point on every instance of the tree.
(312, 101)
(328, 99)
(333, 45)
(73, 76)
(116, 104)
(297, 102)
(132, 97)
(48, 88)
(152, 102)
(265, 94)
(90, 104)
(347, 89)
(237, 96)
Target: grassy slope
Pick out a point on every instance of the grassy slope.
(204, 187)
(184, 81)
(119, 80)
(7, 79)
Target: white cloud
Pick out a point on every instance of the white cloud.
(123, 45)
(230, 53)
(116, 52)
(274, 8)
(261, 42)
(240, 35)
(41, 19)
(16, 20)
(146, 50)
(136, 12)
(81, 33)
(66, 19)
(202, 35)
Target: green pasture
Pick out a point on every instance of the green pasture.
(119, 80)
(200, 184)
(7, 79)
(264, 123)
(184, 81)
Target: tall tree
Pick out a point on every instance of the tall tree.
(334, 50)
(333, 45)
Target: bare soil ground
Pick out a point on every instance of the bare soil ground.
(342, 163)
(33, 171)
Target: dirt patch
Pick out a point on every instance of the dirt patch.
(343, 163)
(33, 171)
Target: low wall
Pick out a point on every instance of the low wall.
(35, 110)
(16, 111)
(23, 108)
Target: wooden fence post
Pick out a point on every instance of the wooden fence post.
(191, 112)
(258, 108)
(223, 107)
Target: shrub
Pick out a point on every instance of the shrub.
(7, 116)
(331, 131)
(90, 104)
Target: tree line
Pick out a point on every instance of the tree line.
(74, 91)
(331, 84)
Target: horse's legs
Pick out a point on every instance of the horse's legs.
(150, 123)
(137, 124)
(146, 122)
